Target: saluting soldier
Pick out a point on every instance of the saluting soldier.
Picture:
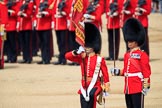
(92, 65)
(3, 22)
(60, 26)
(25, 28)
(113, 11)
(43, 27)
(143, 9)
(12, 39)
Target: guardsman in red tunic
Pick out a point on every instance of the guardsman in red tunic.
(11, 42)
(127, 11)
(92, 65)
(43, 27)
(25, 28)
(113, 11)
(60, 25)
(94, 11)
(143, 9)
(136, 65)
(3, 22)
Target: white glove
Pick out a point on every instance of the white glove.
(145, 91)
(52, 24)
(39, 15)
(68, 23)
(115, 71)
(11, 11)
(126, 12)
(87, 16)
(63, 13)
(34, 23)
(115, 14)
(80, 50)
(17, 25)
(44, 12)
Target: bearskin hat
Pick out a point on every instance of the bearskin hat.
(92, 37)
(134, 31)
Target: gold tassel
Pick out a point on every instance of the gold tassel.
(52, 5)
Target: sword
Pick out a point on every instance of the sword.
(142, 97)
(114, 44)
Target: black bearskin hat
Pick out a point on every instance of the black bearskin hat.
(92, 37)
(134, 31)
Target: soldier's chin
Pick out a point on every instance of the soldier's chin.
(88, 52)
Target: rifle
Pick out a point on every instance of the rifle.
(126, 4)
(61, 5)
(141, 3)
(25, 5)
(43, 5)
(113, 7)
(92, 7)
(10, 3)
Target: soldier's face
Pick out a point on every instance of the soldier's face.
(132, 44)
(88, 50)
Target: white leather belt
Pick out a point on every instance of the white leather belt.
(139, 74)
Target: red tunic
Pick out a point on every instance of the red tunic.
(3, 13)
(131, 7)
(97, 13)
(12, 19)
(60, 23)
(26, 22)
(43, 23)
(137, 61)
(113, 22)
(91, 67)
(144, 17)
(69, 15)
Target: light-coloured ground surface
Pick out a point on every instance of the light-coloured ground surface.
(50, 86)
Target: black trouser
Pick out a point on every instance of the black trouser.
(111, 47)
(35, 42)
(145, 46)
(134, 100)
(90, 103)
(26, 44)
(72, 44)
(44, 37)
(62, 42)
(11, 46)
